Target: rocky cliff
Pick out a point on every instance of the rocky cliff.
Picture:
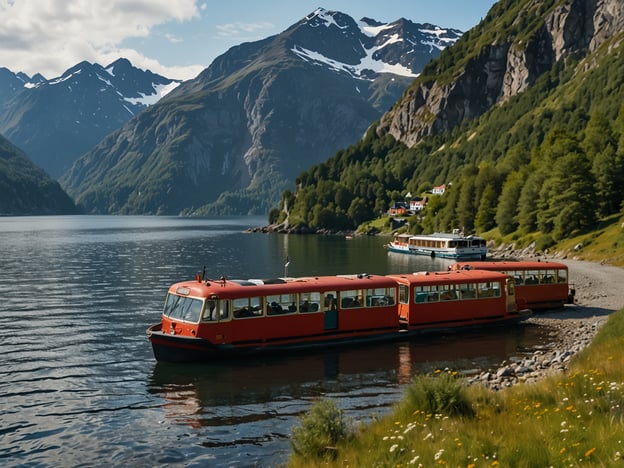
(505, 64)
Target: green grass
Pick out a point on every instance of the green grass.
(571, 419)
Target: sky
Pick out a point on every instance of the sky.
(179, 38)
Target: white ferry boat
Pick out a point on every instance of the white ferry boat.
(442, 245)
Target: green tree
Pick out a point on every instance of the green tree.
(507, 208)
(608, 170)
(486, 214)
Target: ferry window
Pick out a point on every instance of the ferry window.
(210, 311)
(183, 308)
(281, 304)
(377, 297)
(531, 277)
(489, 289)
(448, 292)
(518, 277)
(351, 299)
(562, 276)
(403, 294)
(224, 310)
(247, 307)
(330, 302)
(216, 310)
(426, 294)
(309, 302)
(468, 291)
(548, 277)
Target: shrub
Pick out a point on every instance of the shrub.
(320, 429)
(544, 242)
(441, 393)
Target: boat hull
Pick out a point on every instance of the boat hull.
(176, 348)
(451, 254)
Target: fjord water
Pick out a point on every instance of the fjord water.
(79, 385)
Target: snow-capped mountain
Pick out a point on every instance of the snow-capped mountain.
(369, 47)
(232, 139)
(57, 120)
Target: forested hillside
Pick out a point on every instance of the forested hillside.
(25, 189)
(547, 159)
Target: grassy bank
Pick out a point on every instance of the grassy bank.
(571, 419)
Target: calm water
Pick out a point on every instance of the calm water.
(79, 385)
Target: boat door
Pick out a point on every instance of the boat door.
(330, 311)
(511, 295)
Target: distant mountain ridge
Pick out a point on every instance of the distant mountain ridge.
(57, 120)
(230, 140)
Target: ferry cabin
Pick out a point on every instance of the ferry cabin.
(455, 299)
(441, 245)
(542, 285)
(206, 319)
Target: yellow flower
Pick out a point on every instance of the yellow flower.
(590, 451)
(562, 451)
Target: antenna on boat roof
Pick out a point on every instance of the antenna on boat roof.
(286, 267)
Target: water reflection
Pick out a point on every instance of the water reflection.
(278, 386)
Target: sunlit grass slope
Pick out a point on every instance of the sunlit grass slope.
(571, 419)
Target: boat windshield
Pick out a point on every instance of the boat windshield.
(183, 308)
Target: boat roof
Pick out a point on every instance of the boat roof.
(233, 288)
(508, 265)
(449, 277)
(439, 236)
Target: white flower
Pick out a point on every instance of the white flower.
(393, 448)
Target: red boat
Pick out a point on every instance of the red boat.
(455, 298)
(210, 319)
(542, 285)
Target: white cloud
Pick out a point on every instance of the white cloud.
(49, 36)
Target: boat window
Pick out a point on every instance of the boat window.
(210, 311)
(548, 277)
(351, 299)
(245, 307)
(281, 304)
(183, 308)
(448, 292)
(216, 310)
(468, 291)
(309, 302)
(403, 294)
(489, 289)
(426, 294)
(380, 297)
(331, 298)
(562, 276)
(531, 277)
(518, 277)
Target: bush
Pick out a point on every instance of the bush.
(441, 393)
(320, 430)
(544, 242)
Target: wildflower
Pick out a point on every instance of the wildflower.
(414, 460)
(562, 451)
(394, 447)
(428, 436)
(438, 454)
(590, 451)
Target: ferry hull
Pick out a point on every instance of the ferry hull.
(439, 253)
(174, 348)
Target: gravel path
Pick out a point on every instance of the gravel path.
(599, 291)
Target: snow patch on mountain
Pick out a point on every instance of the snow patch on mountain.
(366, 64)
